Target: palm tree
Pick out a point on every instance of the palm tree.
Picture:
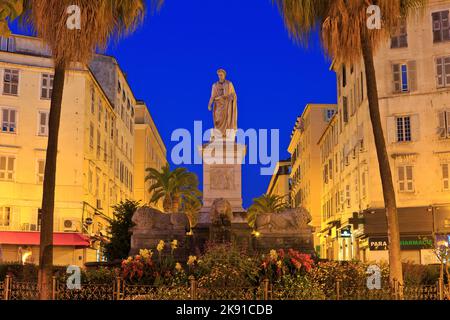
(172, 187)
(266, 204)
(100, 22)
(191, 207)
(346, 37)
(9, 11)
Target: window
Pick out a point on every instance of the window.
(399, 38)
(7, 164)
(92, 100)
(344, 76)
(400, 78)
(43, 117)
(403, 129)
(345, 109)
(443, 71)
(330, 169)
(329, 113)
(363, 185)
(100, 112)
(90, 180)
(9, 120)
(11, 82)
(91, 136)
(444, 124)
(47, 86)
(5, 216)
(8, 44)
(99, 145)
(40, 171)
(441, 26)
(347, 195)
(445, 177)
(405, 179)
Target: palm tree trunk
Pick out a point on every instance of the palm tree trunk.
(48, 197)
(395, 265)
(175, 204)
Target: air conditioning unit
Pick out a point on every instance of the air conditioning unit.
(70, 225)
(99, 204)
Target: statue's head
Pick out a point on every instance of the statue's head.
(222, 74)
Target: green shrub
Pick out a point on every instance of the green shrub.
(225, 265)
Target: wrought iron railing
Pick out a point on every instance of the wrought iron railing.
(86, 292)
(142, 292)
(230, 293)
(23, 291)
(119, 290)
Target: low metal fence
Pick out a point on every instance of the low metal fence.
(120, 290)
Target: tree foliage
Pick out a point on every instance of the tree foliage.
(120, 244)
(9, 11)
(174, 188)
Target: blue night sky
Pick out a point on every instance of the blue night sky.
(171, 63)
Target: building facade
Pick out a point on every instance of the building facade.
(280, 183)
(95, 154)
(413, 75)
(150, 152)
(305, 160)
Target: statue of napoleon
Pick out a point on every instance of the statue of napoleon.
(223, 103)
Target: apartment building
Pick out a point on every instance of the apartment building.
(150, 152)
(306, 183)
(413, 75)
(95, 154)
(280, 182)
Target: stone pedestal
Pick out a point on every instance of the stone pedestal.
(222, 179)
(222, 175)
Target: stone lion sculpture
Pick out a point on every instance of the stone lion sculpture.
(221, 213)
(146, 219)
(289, 221)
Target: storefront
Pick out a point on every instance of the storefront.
(414, 248)
(23, 247)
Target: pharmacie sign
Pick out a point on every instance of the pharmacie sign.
(406, 243)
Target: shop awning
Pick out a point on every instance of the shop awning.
(33, 239)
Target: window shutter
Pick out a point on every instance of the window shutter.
(442, 128)
(437, 27)
(415, 127)
(447, 123)
(397, 84)
(440, 72)
(391, 130)
(445, 25)
(412, 75)
(401, 179)
(446, 71)
(410, 178)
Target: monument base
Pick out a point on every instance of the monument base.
(222, 175)
(302, 243)
(238, 234)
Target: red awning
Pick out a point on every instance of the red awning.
(33, 239)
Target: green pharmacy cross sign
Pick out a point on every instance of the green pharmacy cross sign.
(406, 243)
